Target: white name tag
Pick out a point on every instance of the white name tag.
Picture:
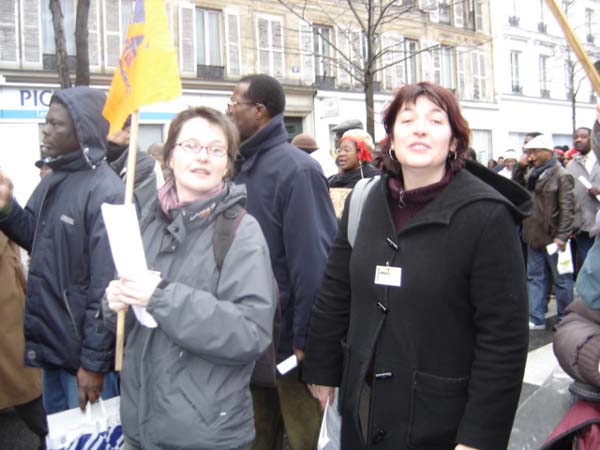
(388, 276)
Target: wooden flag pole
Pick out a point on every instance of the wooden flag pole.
(575, 45)
(129, 187)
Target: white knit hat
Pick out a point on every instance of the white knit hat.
(543, 141)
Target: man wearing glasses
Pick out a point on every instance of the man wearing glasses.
(288, 195)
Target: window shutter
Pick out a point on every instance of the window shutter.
(343, 68)
(31, 33)
(93, 35)
(307, 57)
(112, 33)
(399, 62)
(262, 30)
(277, 46)
(459, 14)
(232, 46)
(187, 39)
(9, 40)
(478, 15)
(427, 61)
(461, 73)
(388, 56)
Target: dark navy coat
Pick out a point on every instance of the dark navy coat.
(71, 264)
(288, 195)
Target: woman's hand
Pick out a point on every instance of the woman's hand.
(113, 295)
(322, 393)
(130, 290)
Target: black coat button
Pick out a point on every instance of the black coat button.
(378, 436)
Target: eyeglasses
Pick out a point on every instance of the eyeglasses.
(232, 103)
(194, 148)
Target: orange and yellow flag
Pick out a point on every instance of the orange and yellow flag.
(147, 72)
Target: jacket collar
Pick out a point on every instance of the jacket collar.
(467, 187)
(71, 162)
(268, 137)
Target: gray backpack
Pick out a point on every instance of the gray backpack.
(359, 196)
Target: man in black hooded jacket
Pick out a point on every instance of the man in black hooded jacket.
(62, 228)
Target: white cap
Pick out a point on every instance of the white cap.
(510, 154)
(542, 141)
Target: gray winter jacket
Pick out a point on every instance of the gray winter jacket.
(185, 384)
(586, 206)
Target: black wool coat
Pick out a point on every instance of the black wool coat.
(445, 352)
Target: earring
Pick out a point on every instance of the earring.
(392, 154)
(452, 155)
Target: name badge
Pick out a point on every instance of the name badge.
(388, 276)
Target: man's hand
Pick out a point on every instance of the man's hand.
(524, 160)
(322, 393)
(561, 244)
(594, 190)
(299, 354)
(89, 385)
(6, 190)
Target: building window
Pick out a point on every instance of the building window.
(399, 61)
(48, 44)
(443, 66)
(475, 15)
(480, 81)
(458, 14)
(544, 87)
(444, 12)
(322, 38)
(269, 30)
(515, 72)
(208, 37)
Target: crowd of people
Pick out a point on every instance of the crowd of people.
(405, 310)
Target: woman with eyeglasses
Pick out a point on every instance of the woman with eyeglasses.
(353, 158)
(185, 382)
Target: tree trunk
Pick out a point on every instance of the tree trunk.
(61, 45)
(82, 77)
(370, 104)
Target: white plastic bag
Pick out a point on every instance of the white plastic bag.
(331, 427)
(565, 260)
(98, 428)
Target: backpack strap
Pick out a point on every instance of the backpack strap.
(226, 225)
(357, 200)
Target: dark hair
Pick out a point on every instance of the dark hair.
(267, 91)
(471, 153)
(213, 117)
(584, 128)
(443, 98)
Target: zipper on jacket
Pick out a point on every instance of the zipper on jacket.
(37, 220)
(71, 315)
